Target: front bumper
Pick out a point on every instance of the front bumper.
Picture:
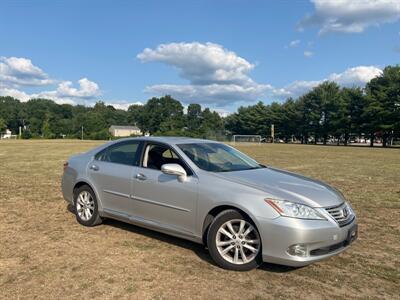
(322, 239)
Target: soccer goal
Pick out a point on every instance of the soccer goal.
(246, 138)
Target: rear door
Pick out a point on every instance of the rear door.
(112, 173)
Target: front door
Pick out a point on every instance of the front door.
(160, 197)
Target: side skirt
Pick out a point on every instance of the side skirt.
(152, 225)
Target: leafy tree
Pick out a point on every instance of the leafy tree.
(194, 117)
(26, 134)
(310, 116)
(211, 124)
(290, 120)
(349, 118)
(249, 120)
(161, 115)
(136, 117)
(383, 104)
(9, 112)
(3, 124)
(327, 102)
(46, 131)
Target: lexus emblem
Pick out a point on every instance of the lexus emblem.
(345, 212)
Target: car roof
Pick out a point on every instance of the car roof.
(169, 139)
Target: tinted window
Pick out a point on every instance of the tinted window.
(122, 153)
(218, 157)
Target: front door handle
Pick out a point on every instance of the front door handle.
(140, 176)
(94, 167)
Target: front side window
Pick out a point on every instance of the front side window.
(216, 157)
(157, 155)
(123, 153)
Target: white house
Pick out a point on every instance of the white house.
(7, 135)
(120, 131)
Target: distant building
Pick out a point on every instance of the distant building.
(119, 131)
(7, 135)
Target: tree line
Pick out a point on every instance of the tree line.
(324, 113)
(329, 112)
(43, 118)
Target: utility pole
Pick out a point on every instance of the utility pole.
(82, 133)
(273, 132)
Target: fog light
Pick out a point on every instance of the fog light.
(298, 250)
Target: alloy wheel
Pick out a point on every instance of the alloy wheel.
(237, 241)
(85, 205)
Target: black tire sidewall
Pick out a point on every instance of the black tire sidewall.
(94, 220)
(220, 219)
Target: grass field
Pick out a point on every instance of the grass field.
(44, 253)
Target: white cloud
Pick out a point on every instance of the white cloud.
(216, 75)
(64, 93)
(201, 63)
(356, 76)
(308, 53)
(124, 105)
(218, 94)
(222, 112)
(87, 89)
(351, 16)
(294, 43)
(18, 71)
(20, 95)
(295, 89)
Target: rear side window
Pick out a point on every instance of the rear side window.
(125, 153)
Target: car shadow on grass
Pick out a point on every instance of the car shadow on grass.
(200, 250)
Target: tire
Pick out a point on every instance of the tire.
(85, 200)
(241, 255)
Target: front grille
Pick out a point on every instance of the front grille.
(341, 213)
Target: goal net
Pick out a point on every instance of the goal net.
(245, 138)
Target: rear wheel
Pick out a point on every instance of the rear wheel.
(234, 242)
(86, 208)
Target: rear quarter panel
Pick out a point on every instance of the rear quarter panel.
(74, 173)
(77, 172)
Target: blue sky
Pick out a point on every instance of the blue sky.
(221, 54)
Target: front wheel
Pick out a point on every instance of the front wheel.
(234, 242)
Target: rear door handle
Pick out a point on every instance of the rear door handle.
(140, 176)
(94, 168)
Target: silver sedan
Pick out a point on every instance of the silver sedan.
(210, 193)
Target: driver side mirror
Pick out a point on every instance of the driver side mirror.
(174, 169)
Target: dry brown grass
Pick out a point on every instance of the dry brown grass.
(45, 253)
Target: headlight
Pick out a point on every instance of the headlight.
(294, 210)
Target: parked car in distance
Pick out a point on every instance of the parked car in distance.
(210, 193)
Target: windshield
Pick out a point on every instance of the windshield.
(216, 157)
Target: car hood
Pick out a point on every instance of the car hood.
(280, 184)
